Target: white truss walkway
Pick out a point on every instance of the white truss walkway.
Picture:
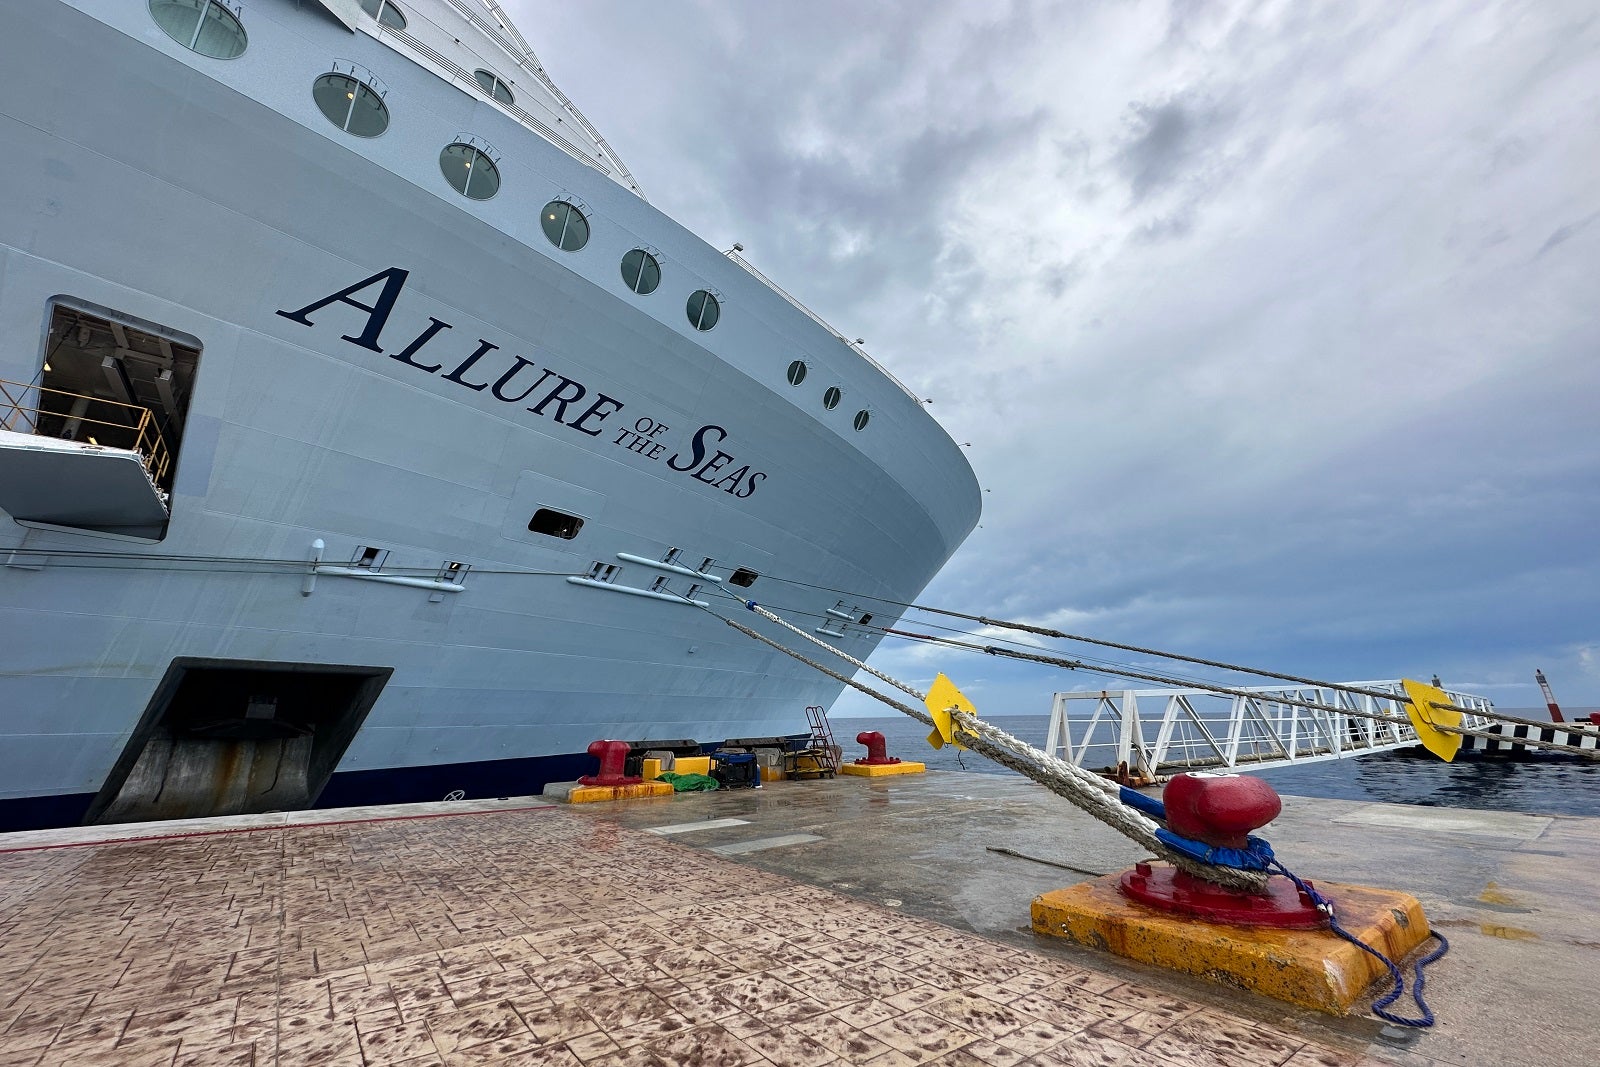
(1155, 732)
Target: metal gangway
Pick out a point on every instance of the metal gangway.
(1143, 734)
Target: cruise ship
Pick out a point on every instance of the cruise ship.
(366, 436)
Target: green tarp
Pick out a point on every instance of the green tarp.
(688, 783)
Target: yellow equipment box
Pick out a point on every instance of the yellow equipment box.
(692, 765)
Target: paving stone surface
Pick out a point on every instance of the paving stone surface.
(534, 937)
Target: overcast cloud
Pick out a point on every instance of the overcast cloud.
(1273, 326)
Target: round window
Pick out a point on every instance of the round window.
(565, 225)
(797, 372)
(831, 398)
(204, 26)
(350, 104)
(704, 311)
(491, 84)
(862, 418)
(385, 12)
(640, 271)
(472, 173)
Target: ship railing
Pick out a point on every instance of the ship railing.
(468, 82)
(820, 321)
(604, 159)
(530, 63)
(26, 407)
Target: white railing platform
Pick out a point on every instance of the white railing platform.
(1146, 733)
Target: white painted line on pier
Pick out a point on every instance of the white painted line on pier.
(704, 824)
(1449, 821)
(761, 843)
(110, 834)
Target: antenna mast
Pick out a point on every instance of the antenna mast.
(1549, 697)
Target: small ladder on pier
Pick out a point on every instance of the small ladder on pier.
(822, 743)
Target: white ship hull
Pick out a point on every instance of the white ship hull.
(143, 182)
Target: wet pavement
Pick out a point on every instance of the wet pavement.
(850, 921)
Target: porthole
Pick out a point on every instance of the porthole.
(831, 398)
(862, 418)
(203, 26)
(565, 225)
(351, 104)
(491, 84)
(472, 173)
(704, 311)
(797, 372)
(385, 12)
(641, 272)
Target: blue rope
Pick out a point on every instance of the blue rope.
(1419, 980)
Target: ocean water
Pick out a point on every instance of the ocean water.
(1541, 786)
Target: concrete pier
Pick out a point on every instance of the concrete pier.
(850, 921)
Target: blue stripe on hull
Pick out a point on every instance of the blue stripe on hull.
(479, 780)
(486, 779)
(396, 785)
(43, 813)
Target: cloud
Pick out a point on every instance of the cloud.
(1165, 142)
(1272, 327)
(1563, 233)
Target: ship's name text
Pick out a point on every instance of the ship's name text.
(555, 396)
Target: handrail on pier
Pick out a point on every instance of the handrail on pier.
(1154, 732)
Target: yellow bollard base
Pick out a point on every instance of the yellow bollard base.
(882, 770)
(574, 793)
(1311, 968)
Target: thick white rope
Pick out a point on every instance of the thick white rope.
(1084, 789)
(981, 728)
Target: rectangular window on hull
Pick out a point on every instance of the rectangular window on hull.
(555, 524)
(744, 577)
(110, 382)
(369, 558)
(119, 387)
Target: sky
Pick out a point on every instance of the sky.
(1274, 328)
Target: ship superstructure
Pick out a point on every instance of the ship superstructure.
(367, 436)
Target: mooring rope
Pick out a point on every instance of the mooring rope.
(1418, 981)
(1084, 789)
(1106, 802)
(1573, 729)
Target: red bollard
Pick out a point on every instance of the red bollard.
(613, 757)
(1219, 809)
(877, 749)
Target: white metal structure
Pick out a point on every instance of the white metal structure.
(1166, 731)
